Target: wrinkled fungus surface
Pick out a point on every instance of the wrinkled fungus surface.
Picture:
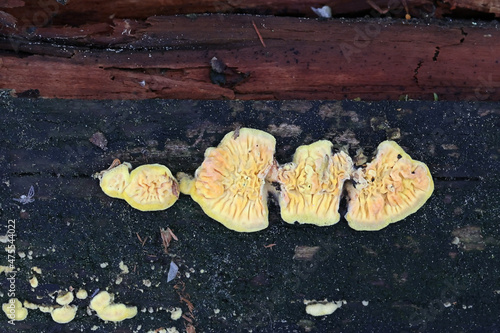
(151, 187)
(311, 186)
(388, 189)
(114, 180)
(230, 183)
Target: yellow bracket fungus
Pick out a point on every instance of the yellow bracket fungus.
(115, 179)
(230, 184)
(65, 297)
(64, 314)
(311, 186)
(103, 305)
(14, 310)
(388, 189)
(151, 187)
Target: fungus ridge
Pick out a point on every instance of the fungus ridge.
(388, 189)
(311, 186)
(229, 185)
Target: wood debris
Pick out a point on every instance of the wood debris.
(166, 237)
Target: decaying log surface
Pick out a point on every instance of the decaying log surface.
(434, 270)
(75, 13)
(278, 58)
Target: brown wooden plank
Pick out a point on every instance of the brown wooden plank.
(76, 13)
(169, 57)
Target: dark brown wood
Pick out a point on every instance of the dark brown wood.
(169, 57)
(76, 13)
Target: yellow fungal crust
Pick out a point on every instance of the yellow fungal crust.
(229, 185)
(311, 186)
(103, 305)
(388, 189)
(151, 187)
(14, 310)
(65, 297)
(114, 180)
(64, 314)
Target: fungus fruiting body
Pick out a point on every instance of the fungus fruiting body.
(230, 184)
(64, 314)
(64, 298)
(151, 187)
(311, 186)
(388, 189)
(14, 310)
(103, 305)
(114, 180)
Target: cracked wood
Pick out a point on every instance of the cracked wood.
(169, 57)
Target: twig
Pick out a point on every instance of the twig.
(140, 239)
(166, 237)
(258, 34)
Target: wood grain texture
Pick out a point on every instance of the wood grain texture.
(169, 57)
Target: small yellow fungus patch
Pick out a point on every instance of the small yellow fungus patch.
(230, 184)
(311, 186)
(65, 298)
(388, 189)
(175, 313)
(14, 310)
(34, 282)
(64, 314)
(103, 305)
(81, 294)
(6, 269)
(115, 179)
(151, 187)
(321, 308)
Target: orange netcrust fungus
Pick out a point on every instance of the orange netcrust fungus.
(115, 179)
(230, 184)
(311, 186)
(388, 189)
(151, 187)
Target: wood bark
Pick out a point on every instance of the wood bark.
(297, 58)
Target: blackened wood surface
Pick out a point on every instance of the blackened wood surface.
(412, 276)
(169, 57)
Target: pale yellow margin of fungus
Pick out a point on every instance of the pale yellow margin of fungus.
(103, 305)
(311, 186)
(115, 179)
(388, 189)
(151, 187)
(14, 310)
(230, 184)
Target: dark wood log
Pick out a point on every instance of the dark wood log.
(434, 270)
(77, 13)
(169, 57)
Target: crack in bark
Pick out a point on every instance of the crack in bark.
(436, 53)
(415, 72)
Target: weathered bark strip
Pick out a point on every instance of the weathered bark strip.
(76, 13)
(169, 57)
